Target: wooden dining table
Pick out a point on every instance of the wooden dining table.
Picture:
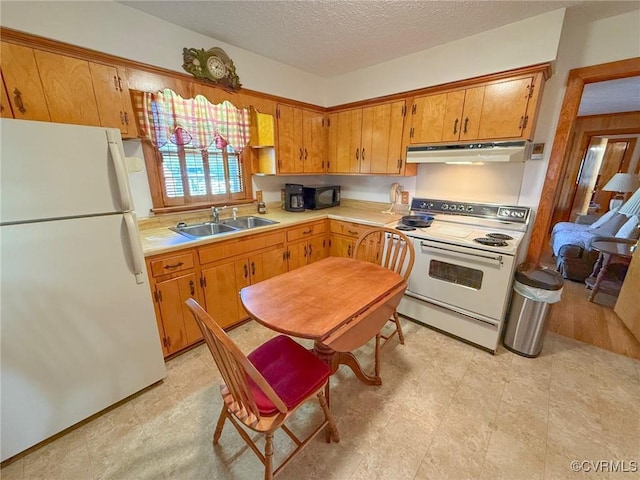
(339, 303)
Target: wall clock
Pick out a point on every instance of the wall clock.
(213, 66)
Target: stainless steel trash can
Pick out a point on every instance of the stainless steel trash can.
(534, 290)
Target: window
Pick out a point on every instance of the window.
(193, 149)
(191, 176)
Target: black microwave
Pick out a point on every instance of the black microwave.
(321, 196)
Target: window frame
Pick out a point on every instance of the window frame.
(163, 204)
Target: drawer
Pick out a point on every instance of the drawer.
(175, 263)
(349, 229)
(304, 231)
(240, 246)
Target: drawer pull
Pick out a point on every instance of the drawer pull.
(175, 265)
(307, 232)
(352, 232)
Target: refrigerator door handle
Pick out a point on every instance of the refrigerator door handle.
(121, 175)
(136, 248)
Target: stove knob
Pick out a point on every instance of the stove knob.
(469, 208)
(505, 213)
(461, 208)
(430, 205)
(445, 206)
(423, 205)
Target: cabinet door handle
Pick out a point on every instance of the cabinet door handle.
(119, 83)
(349, 250)
(17, 99)
(126, 118)
(305, 251)
(521, 122)
(115, 82)
(203, 282)
(363, 154)
(300, 153)
(305, 153)
(246, 270)
(175, 265)
(411, 133)
(455, 126)
(357, 154)
(310, 250)
(466, 124)
(192, 288)
(253, 268)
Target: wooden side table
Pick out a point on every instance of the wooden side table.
(599, 281)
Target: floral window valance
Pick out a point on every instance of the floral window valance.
(167, 117)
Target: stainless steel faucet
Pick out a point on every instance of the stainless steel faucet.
(234, 211)
(216, 214)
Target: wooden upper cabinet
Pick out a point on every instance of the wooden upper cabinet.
(112, 97)
(21, 77)
(68, 88)
(504, 110)
(367, 140)
(485, 112)
(301, 140)
(313, 142)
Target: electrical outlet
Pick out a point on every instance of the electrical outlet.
(404, 198)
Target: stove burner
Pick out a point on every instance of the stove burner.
(492, 242)
(405, 228)
(499, 236)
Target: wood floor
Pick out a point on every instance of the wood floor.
(594, 323)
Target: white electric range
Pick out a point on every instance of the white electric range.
(463, 272)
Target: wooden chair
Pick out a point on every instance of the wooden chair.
(261, 390)
(393, 250)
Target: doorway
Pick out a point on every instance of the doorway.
(574, 316)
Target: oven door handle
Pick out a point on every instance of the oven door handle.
(497, 258)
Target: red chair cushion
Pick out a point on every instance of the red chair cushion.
(292, 371)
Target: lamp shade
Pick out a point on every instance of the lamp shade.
(622, 182)
(632, 206)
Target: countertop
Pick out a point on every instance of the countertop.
(157, 238)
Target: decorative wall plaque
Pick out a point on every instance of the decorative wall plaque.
(212, 65)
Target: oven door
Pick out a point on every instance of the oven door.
(467, 279)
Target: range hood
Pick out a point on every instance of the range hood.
(470, 153)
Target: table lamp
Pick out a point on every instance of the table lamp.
(632, 206)
(621, 183)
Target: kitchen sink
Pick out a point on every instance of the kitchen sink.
(248, 222)
(228, 225)
(202, 229)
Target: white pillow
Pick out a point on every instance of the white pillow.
(630, 228)
(604, 218)
(611, 226)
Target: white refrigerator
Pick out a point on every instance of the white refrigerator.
(77, 325)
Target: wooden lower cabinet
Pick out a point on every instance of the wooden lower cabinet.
(175, 278)
(214, 274)
(234, 264)
(343, 237)
(307, 244)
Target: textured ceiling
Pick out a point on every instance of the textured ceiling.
(333, 37)
(329, 38)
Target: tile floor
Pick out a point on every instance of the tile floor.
(445, 410)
